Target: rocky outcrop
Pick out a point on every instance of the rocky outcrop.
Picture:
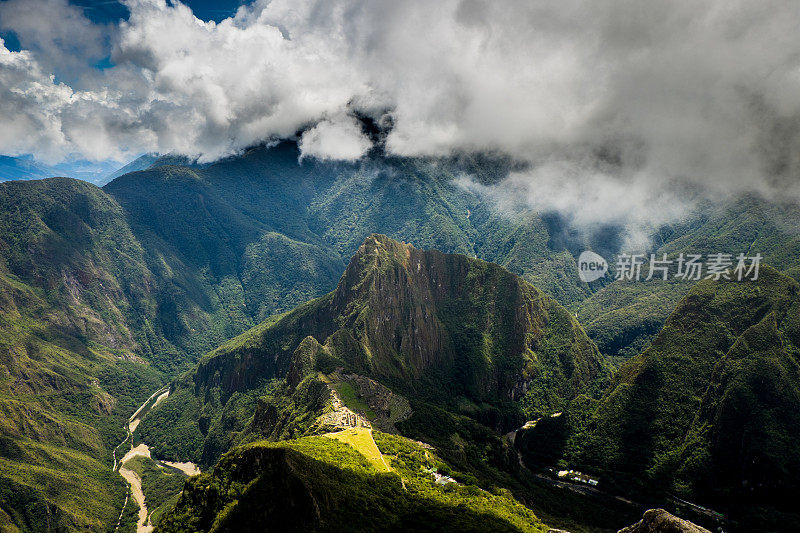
(660, 521)
(303, 361)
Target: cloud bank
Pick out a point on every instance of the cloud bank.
(605, 100)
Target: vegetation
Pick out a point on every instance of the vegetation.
(107, 294)
(624, 317)
(130, 516)
(176, 424)
(361, 440)
(723, 370)
(161, 485)
(62, 407)
(320, 484)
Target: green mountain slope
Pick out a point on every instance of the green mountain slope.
(142, 162)
(69, 380)
(444, 330)
(83, 341)
(623, 317)
(320, 484)
(708, 411)
(62, 406)
(741, 448)
(237, 225)
(236, 221)
(239, 221)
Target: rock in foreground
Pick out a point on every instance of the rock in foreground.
(660, 521)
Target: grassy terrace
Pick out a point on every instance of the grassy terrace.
(361, 439)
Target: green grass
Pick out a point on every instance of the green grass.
(349, 397)
(361, 440)
(342, 483)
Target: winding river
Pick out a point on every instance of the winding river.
(143, 524)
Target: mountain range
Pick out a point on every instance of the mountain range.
(280, 300)
(28, 168)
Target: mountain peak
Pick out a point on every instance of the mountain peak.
(424, 321)
(380, 249)
(377, 255)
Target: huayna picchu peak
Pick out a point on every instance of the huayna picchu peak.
(440, 329)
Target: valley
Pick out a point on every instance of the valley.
(314, 266)
(273, 314)
(144, 522)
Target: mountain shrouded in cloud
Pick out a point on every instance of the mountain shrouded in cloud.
(647, 99)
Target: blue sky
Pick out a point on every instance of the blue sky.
(111, 11)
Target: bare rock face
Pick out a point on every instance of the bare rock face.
(660, 521)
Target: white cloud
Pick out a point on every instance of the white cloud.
(29, 103)
(341, 139)
(632, 96)
(590, 198)
(64, 41)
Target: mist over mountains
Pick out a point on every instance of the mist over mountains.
(603, 100)
(313, 264)
(110, 293)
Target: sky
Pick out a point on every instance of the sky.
(617, 107)
(111, 11)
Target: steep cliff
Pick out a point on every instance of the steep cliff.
(448, 330)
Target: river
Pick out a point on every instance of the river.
(143, 524)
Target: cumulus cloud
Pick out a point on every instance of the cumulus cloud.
(603, 100)
(28, 103)
(64, 41)
(341, 139)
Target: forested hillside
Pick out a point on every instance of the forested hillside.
(708, 411)
(445, 331)
(110, 293)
